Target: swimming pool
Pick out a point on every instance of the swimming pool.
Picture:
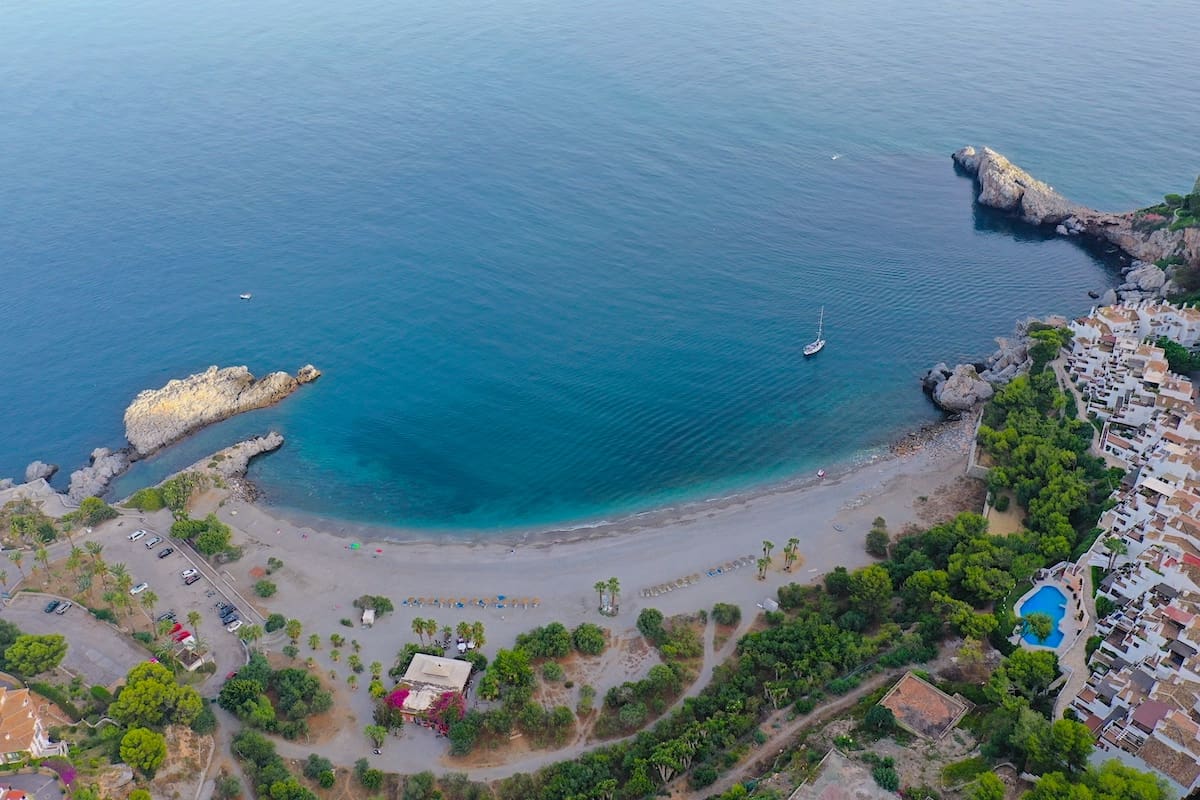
(1047, 600)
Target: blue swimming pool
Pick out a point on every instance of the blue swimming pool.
(1048, 600)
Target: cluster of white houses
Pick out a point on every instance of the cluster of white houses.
(1142, 700)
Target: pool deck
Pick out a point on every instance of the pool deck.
(1076, 619)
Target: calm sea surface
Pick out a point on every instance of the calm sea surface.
(556, 260)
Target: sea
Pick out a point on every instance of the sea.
(556, 260)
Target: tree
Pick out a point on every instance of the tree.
(418, 627)
(763, 565)
(1039, 624)
(1063, 745)
(588, 639)
(43, 556)
(727, 614)
(987, 787)
(376, 733)
(139, 794)
(16, 556)
(1025, 673)
(614, 594)
(768, 546)
(314, 641)
(250, 634)
(144, 750)
(32, 655)
(790, 551)
(650, 624)
(477, 634)
(93, 549)
(871, 590)
(151, 698)
(93, 511)
(293, 629)
(265, 588)
(1115, 546)
(878, 542)
(600, 586)
(880, 718)
(148, 600)
(837, 582)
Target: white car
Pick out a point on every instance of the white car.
(187, 573)
(233, 626)
(153, 541)
(141, 587)
(133, 537)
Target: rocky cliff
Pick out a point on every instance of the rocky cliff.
(1004, 185)
(159, 417)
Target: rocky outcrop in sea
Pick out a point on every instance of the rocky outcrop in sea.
(159, 417)
(40, 469)
(1005, 186)
(92, 480)
(229, 466)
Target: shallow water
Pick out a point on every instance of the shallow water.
(558, 261)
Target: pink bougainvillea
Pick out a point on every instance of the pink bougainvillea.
(65, 771)
(397, 697)
(449, 707)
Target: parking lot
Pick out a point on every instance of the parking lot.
(165, 579)
(95, 650)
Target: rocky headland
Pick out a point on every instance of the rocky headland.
(159, 417)
(228, 467)
(1145, 235)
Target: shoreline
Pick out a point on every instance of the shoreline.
(908, 445)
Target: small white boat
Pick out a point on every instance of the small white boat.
(245, 296)
(820, 473)
(814, 347)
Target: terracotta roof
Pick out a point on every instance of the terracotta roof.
(17, 721)
(1180, 767)
(922, 708)
(1147, 714)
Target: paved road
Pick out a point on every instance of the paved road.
(95, 650)
(41, 787)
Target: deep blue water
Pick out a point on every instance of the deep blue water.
(1046, 600)
(557, 260)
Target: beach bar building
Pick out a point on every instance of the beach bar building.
(429, 677)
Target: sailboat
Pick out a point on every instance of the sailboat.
(814, 347)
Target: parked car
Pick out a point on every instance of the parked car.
(187, 573)
(53, 604)
(139, 533)
(230, 617)
(166, 551)
(153, 541)
(233, 626)
(63, 607)
(141, 587)
(223, 608)
(190, 579)
(167, 615)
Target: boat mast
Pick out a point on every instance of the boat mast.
(821, 323)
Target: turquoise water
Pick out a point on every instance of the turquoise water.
(1046, 600)
(557, 261)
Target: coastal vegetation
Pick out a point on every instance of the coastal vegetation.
(278, 701)
(147, 499)
(1175, 212)
(209, 536)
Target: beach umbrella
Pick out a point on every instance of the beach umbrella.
(355, 545)
(377, 550)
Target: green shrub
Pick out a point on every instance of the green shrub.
(727, 614)
(265, 588)
(346, 622)
(1001, 503)
(144, 637)
(148, 499)
(1104, 606)
(57, 696)
(104, 614)
(588, 639)
(886, 777)
(274, 623)
(552, 671)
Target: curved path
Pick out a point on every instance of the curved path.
(345, 750)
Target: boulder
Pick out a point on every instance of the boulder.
(159, 417)
(307, 374)
(962, 390)
(1146, 277)
(6, 483)
(936, 374)
(38, 470)
(1109, 298)
(93, 480)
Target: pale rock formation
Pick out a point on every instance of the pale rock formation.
(962, 390)
(307, 374)
(92, 480)
(1005, 186)
(40, 469)
(158, 417)
(6, 483)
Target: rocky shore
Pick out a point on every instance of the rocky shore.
(228, 467)
(1005, 186)
(159, 417)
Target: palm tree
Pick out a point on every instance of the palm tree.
(75, 560)
(463, 630)
(614, 594)
(446, 634)
(314, 642)
(600, 586)
(43, 556)
(119, 572)
(352, 681)
(1115, 546)
(763, 563)
(431, 628)
(111, 598)
(93, 549)
(768, 546)
(477, 634)
(100, 567)
(16, 557)
(149, 599)
(250, 634)
(3, 577)
(789, 552)
(293, 629)
(67, 530)
(193, 618)
(418, 627)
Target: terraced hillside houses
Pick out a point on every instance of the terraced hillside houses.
(1142, 699)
